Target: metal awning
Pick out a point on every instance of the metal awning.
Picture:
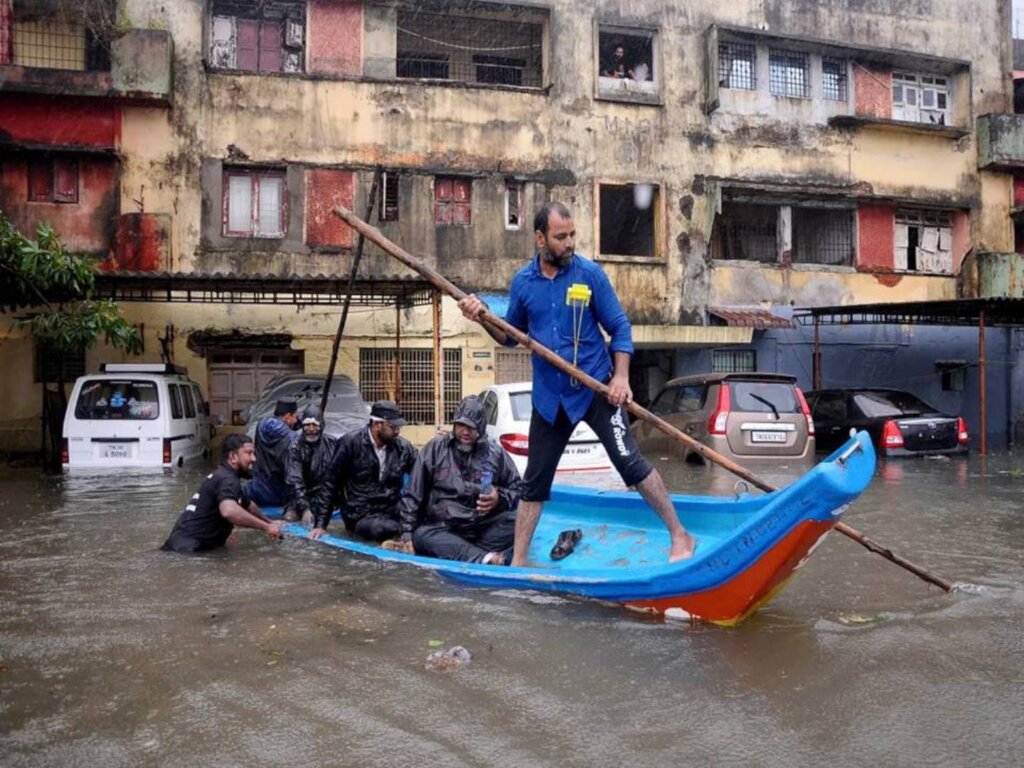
(217, 288)
(1005, 312)
(759, 319)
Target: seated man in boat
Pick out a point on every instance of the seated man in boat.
(309, 472)
(461, 500)
(370, 465)
(274, 436)
(220, 504)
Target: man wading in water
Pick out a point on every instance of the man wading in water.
(562, 300)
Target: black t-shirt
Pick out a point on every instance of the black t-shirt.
(201, 526)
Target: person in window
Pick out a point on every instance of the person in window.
(370, 465)
(274, 436)
(539, 305)
(220, 504)
(461, 500)
(616, 67)
(309, 472)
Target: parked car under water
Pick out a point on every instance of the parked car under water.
(346, 410)
(744, 416)
(900, 423)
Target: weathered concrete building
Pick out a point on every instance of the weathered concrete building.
(735, 161)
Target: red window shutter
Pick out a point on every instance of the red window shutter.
(442, 190)
(442, 213)
(247, 48)
(463, 189)
(270, 47)
(40, 180)
(462, 214)
(65, 180)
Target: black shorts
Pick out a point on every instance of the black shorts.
(547, 441)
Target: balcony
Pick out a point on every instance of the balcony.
(987, 275)
(1001, 142)
(140, 69)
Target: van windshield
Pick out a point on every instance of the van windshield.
(772, 397)
(126, 399)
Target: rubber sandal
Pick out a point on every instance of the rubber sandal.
(566, 543)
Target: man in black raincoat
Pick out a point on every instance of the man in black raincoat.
(309, 472)
(460, 503)
(370, 465)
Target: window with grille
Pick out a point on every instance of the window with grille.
(409, 380)
(255, 203)
(748, 232)
(471, 49)
(387, 205)
(49, 362)
(49, 43)
(512, 365)
(823, 236)
(453, 201)
(920, 98)
(258, 37)
(833, 79)
(789, 74)
(733, 361)
(737, 66)
(53, 179)
(513, 205)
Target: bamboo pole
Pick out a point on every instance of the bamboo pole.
(487, 318)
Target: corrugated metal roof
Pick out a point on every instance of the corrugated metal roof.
(749, 318)
(998, 311)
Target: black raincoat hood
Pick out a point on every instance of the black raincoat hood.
(471, 413)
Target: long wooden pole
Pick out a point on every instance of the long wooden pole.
(443, 284)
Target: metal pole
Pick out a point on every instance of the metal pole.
(816, 358)
(438, 362)
(982, 383)
(398, 352)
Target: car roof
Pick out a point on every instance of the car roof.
(519, 386)
(715, 378)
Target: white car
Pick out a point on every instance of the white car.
(508, 407)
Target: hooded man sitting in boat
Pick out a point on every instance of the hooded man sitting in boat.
(460, 503)
(309, 472)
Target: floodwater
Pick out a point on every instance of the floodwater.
(112, 653)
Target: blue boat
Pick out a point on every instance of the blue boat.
(747, 547)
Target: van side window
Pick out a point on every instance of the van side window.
(176, 412)
(200, 404)
(190, 406)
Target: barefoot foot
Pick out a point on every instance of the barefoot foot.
(683, 546)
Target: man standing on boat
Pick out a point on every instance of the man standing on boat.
(460, 503)
(370, 465)
(274, 437)
(563, 300)
(220, 504)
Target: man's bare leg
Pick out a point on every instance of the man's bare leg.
(652, 488)
(526, 523)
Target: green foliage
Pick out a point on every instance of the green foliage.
(57, 285)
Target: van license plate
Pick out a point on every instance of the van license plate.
(116, 451)
(768, 437)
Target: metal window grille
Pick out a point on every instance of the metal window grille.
(833, 79)
(733, 361)
(50, 360)
(379, 378)
(387, 205)
(749, 232)
(737, 66)
(823, 236)
(789, 74)
(49, 44)
(472, 50)
(924, 218)
(512, 366)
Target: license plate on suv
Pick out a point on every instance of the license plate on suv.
(116, 451)
(767, 437)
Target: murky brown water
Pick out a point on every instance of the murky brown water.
(112, 653)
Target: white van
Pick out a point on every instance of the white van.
(135, 415)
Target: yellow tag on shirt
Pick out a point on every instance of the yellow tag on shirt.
(578, 293)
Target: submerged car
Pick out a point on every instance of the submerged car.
(739, 415)
(346, 410)
(900, 423)
(508, 409)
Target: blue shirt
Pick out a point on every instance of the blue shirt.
(537, 306)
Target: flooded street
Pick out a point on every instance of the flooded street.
(113, 653)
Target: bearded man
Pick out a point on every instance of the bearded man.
(308, 474)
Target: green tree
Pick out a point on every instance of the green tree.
(51, 289)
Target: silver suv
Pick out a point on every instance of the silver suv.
(740, 415)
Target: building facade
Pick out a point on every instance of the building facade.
(725, 164)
